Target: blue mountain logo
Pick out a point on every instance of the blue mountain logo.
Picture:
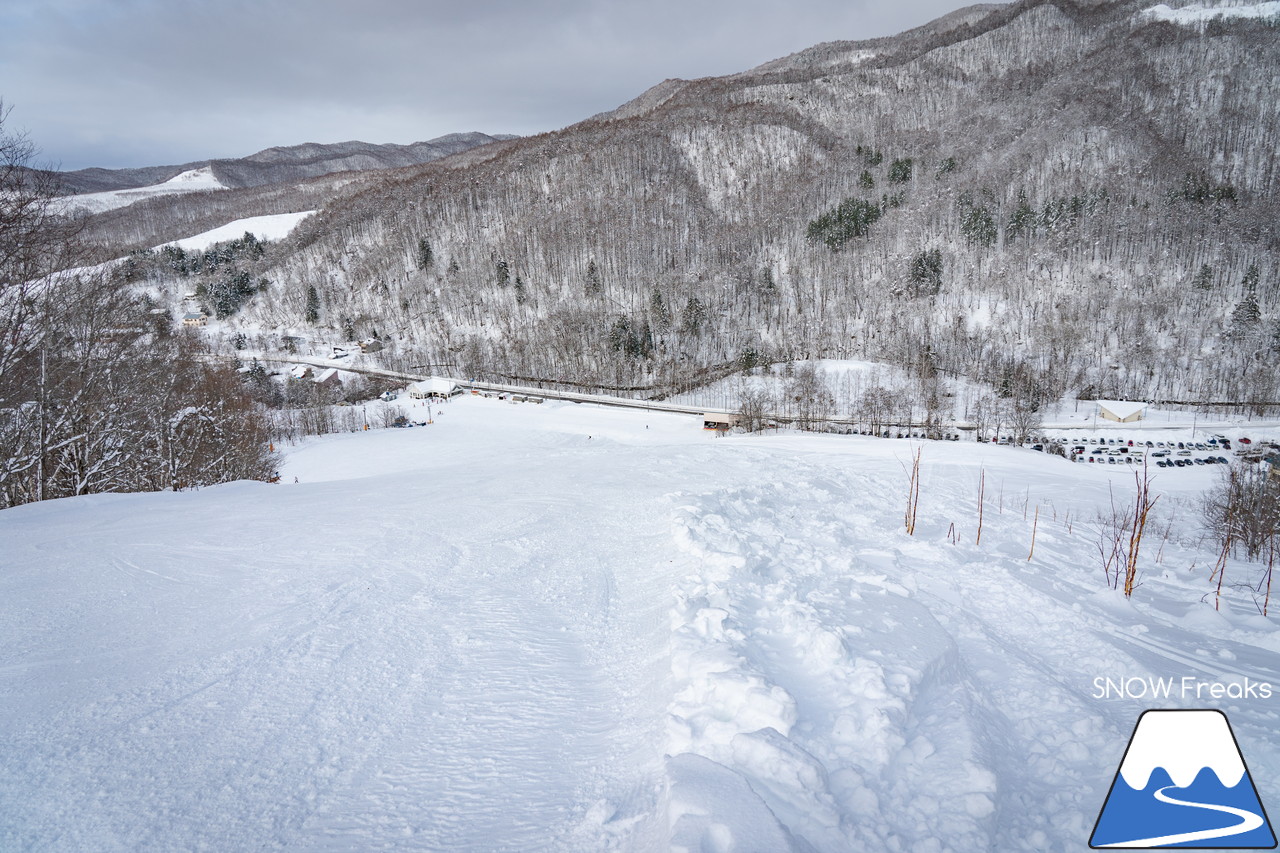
(1183, 783)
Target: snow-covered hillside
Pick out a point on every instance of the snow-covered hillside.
(193, 180)
(1197, 14)
(561, 627)
(275, 226)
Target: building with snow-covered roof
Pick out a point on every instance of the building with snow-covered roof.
(300, 371)
(435, 388)
(329, 378)
(1121, 411)
(195, 318)
(720, 421)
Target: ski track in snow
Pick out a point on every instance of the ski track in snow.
(498, 633)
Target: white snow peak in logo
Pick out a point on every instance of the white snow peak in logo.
(1183, 783)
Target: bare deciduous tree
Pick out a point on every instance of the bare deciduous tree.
(1243, 510)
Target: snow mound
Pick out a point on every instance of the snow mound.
(787, 675)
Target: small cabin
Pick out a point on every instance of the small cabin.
(371, 345)
(195, 318)
(720, 421)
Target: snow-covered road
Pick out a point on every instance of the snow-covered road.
(567, 628)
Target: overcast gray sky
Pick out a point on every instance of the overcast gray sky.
(149, 82)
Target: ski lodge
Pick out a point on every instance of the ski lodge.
(435, 388)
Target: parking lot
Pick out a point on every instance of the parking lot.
(1170, 453)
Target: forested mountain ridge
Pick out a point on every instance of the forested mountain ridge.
(1044, 196)
(280, 164)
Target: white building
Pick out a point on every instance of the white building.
(1121, 411)
(435, 388)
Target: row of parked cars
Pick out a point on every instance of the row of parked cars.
(1164, 454)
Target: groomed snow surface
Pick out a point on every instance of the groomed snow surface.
(562, 627)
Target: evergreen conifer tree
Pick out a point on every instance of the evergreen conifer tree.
(312, 313)
(1204, 278)
(594, 286)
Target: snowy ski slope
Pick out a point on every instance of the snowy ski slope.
(568, 628)
(192, 180)
(272, 226)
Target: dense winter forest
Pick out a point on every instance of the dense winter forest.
(1047, 198)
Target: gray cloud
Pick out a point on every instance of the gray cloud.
(142, 82)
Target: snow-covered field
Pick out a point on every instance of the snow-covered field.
(559, 627)
(273, 226)
(193, 180)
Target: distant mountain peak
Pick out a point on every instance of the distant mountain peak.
(280, 163)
